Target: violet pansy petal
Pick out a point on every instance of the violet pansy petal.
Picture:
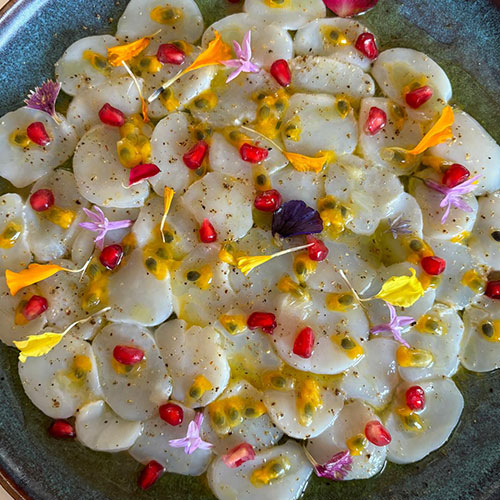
(294, 218)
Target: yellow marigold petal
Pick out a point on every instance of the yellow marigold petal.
(304, 163)
(246, 264)
(26, 277)
(168, 194)
(402, 291)
(123, 53)
(37, 345)
(216, 52)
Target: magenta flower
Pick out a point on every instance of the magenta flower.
(452, 196)
(101, 225)
(348, 8)
(193, 440)
(44, 98)
(244, 55)
(395, 325)
(336, 468)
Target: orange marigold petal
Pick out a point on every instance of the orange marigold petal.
(120, 53)
(216, 52)
(26, 277)
(304, 163)
(439, 132)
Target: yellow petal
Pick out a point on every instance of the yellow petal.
(168, 194)
(440, 132)
(216, 52)
(246, 264)
(402, 291)
(123, 53)
(26, 277)
(304, 163)
(37, 345)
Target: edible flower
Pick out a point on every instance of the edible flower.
(304, 163)
(295, 217)
(336, 468)
(44, 98)
(244, 55)
(123, 53)
(399, 226)
(349, 8)
(168, 195)
(101, 225)
(193, 440)
(395, 326)
(401, 291)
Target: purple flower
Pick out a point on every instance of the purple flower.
(336, 468)
(101, 225)
(44, 98)
(192, 441)
(295, 217)
(452, 196)
(244, 55)
(399, 226)
(395, 325)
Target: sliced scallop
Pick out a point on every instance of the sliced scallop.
(295, 185)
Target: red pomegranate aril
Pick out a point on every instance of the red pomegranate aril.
(207, 232)
(171, 413)
(150, 474)
(418, 97)
(37, 133)
(376, 121)
(42, 200)
(318, 250)
(111, 256)
(169, 53)
(35, 306)
(366, 44)
(281, 72)
(377, 434)
(415, 397)
(253, 154)
(141, 172)
(304, 343)
(263, 320)
(433, 265)
(493, 289)
(61, 429)
(111, 116)
(238, 455)
(127, 355)
(234, 1)
(268, 201)
(455, 175)
(194, 157)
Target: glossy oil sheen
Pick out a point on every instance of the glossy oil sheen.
(460, 35)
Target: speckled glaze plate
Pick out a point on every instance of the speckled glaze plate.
(463, 37)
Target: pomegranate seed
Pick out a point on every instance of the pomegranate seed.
(234, 1)
(194, 157)
(35, 306)
(42, 200)
(377, 434)
(455, 175)
(433, 265)
(207, 232)
(169, 53)
(238, 455)
(317, 251)
(127, 355)
(150, 474)
(376, 121)
(304, 343)
(281, 72)
(111, 116)
(415, 397)
(268, 201)
(419, 96)
(253, 154)
(172, 414)
(263, 320)
(367, 46)
(111, 256)
(141, 172)
(61, 429)
(37, 134)
(493, 289)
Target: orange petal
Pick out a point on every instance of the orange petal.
(304, 163)
(26, 277)
(123, 53)
(216, 52)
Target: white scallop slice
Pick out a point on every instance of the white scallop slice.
(51, 382)
(258, 432)
(405, 207)
(322, 127)
(12, 216)
(350, 422)
(22, 166)
(483, 246)
(443, 406)
(367, 190)
(226, 203)
(458, 221)
(314, 39)
(329, 76)
(136, 21)
(474, 148)
(228, 484)
(121, 93)
(477, 353)
(393, 134)
(49, 241)
(137, 296)
(396, 68)
(269, 42)
(290, 14)
(153, 445)
(133, 395)
(100, 176)
(295, 185)
(74, 70)
(192, 352)
(375, 377)
(99, 428)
